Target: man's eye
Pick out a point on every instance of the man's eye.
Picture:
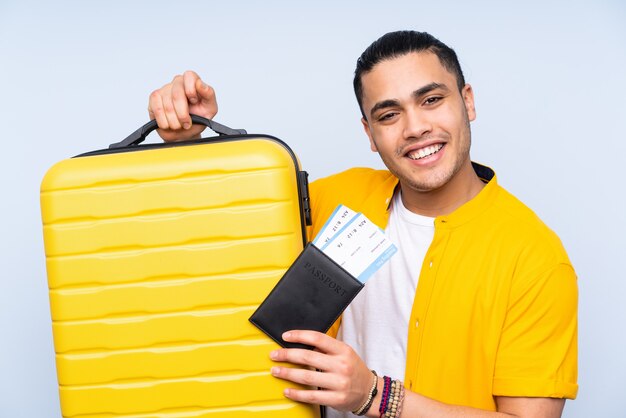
(432, 100)
(386, 116)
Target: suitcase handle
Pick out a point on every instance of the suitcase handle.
(140, 134)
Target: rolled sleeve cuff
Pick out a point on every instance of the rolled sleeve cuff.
(534, 388)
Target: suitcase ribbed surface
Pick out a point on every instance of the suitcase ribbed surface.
(156, 259)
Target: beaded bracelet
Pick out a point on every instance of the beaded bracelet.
(392, 398)
(400, 402)
(384, 402)
(392, 405)
(370, 397)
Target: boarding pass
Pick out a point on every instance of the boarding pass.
(354, 242)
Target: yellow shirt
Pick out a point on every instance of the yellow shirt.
(495, 310)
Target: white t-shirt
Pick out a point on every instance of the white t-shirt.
(375, 324)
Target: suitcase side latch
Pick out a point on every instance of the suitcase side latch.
(303, 184)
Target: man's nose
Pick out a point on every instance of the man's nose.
(416, 124)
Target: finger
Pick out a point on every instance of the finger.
(155, 109)
(179, 101)
(207, 106)
(168, 105)
(317, 397)
(189, 82)
(303, 357)
(150, 113)
(306, 377)
(322, 342)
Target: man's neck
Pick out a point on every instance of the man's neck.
(462, 188)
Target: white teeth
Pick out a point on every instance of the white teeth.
(424, 152)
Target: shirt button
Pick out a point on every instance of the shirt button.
(431, 264)
(417, 323)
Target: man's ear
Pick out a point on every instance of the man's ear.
(468, 99)
(366, 127)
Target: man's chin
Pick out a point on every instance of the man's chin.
(432, 182)
(423, 188)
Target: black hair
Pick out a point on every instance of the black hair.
(396, 44)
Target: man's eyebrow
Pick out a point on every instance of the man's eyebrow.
(383, 104)
(428, 88)
(416, 95)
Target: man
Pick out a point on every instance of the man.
(477, 311)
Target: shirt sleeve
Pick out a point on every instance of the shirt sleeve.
(538, 350)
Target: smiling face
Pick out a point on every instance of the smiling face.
(418, 121)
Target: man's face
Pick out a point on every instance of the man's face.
(417, 120)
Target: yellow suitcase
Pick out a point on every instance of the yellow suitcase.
(156, 256)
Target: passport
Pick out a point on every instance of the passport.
(311, 295)
(325, 277)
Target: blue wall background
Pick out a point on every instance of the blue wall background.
(549, 83)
